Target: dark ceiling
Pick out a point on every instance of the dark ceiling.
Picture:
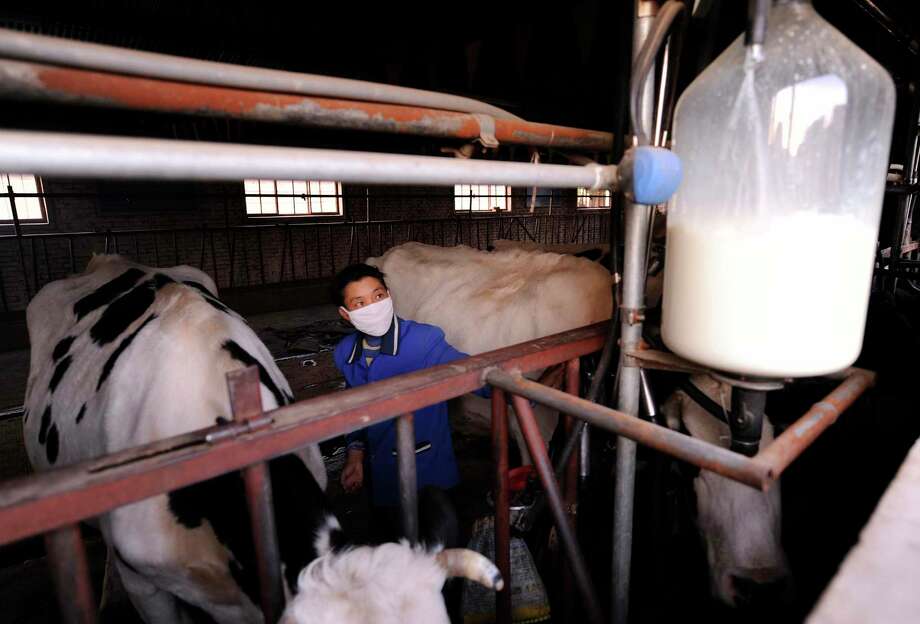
(562, 63)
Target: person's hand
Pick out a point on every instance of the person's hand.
(353, 473)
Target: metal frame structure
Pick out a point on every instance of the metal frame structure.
(54, 502)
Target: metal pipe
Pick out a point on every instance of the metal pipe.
(408, 485)
(633, 302)
(799, 436)
(70, 573)
(41, 502)
(57, 51)
(501, 496)
(648, 36)
(570, 487)
(246, 404)
(746, 421)
(67, 155)
(692, 450)
(75, 86)
(544, 467)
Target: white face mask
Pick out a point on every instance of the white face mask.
(374, 319)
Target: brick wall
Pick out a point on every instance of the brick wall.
(207, 227)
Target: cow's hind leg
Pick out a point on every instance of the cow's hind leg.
(115, 606)
(154, 605)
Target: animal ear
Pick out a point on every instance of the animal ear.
(470, 564)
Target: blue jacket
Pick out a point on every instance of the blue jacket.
(407, 347)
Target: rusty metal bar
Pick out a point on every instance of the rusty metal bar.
(570, 487)
(70, 573)
(93, 56)
(35, 81)
(502, 498)
(537, 448)
(246, 403)
(408, 483)
(38, 503)
(699, 453)
(799, 436)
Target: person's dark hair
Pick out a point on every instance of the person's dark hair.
(353, 273)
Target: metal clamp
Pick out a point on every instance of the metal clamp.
(236, 429)
(486, 130)
(633, 316)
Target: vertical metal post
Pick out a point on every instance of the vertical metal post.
(637, 225)
(501, 496)
(544, 468)
(572, 372)
(18, 229)
(70, 573)
(746, 422)
(246, 402)
(408, 485)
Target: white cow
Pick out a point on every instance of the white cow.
(485, 301)
(740, 526)
(124, 355)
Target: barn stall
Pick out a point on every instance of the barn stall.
(263, 267)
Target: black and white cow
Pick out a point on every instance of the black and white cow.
(124, 355)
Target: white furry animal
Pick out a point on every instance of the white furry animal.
(740, 526)
(485, 301)
(387, 584)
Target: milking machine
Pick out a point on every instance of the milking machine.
(783, 141)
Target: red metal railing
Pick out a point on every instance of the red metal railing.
(53, 503)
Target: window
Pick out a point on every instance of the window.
(28, 209)
(292, 198)
(592, 199)
(482, 198)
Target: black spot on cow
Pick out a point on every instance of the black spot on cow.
(240, 354)
(59, 371)
(46, 422)
(53, 446)
(126, 310)
(161, 280)
(208, 296)
(110, 363)
(199, 286)
(81, 414)
(300, 509)
(107, 293)
(62, 347)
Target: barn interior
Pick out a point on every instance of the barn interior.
(567, 64)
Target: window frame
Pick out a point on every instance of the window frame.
(42, 204)
(294, 217)
(584, 192)
(459, 196)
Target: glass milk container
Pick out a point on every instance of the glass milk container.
(771, 236)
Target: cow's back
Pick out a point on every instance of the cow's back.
(124, 354)
(486, 301)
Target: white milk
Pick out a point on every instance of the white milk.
(769, 297)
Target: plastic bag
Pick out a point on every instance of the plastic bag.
(529, 601)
